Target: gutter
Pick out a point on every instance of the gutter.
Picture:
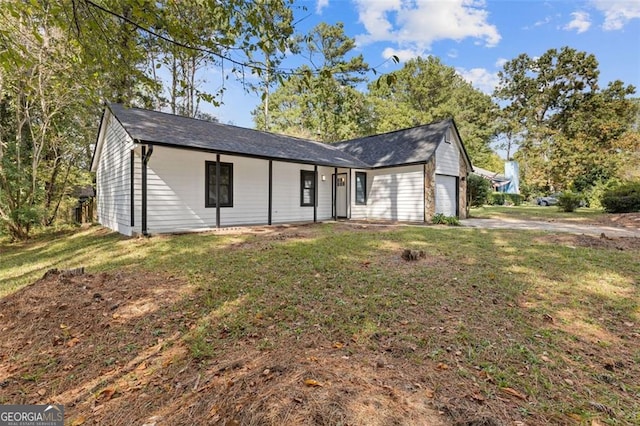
(146, 155)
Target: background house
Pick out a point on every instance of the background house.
(509, 182)
(161, 173)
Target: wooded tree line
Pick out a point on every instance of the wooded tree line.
(548, 113)
(61, 60)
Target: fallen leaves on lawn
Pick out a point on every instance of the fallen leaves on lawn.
(477, 397)
(106, 394)
(78, 421)
(71, 343)
(603, 408)
(575, 417)
(312, 383)
(513, 392)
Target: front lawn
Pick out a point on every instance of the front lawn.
(324, 324)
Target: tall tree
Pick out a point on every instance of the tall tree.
(272, 48)
(426, 90)
(60, 60)
(321, 101)
(42, 88)
(567, 128)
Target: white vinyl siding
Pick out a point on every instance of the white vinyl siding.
(176, 191)
(392, 194)
(113, 178)
(446, 195)
(448, 156)
(286, 193)
(137, 191)
(325, 202)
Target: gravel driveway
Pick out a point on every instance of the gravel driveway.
(532, 225)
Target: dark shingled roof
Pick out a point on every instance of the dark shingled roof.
(153, 127)
(414, 145)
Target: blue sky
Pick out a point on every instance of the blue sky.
(474, 36)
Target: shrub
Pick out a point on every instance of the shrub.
(515, 199)
(479, 189)
(593, 194)
(441, 219)
(623, 199)
(569, 201)
(497, 199)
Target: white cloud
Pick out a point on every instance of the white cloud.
(373, 15)
(416, 24)
(581, 22)
(480, 78)
(545, 21)
(500, 62)
(452, 53)
(321, 4)
(617, 13)
(402, 54)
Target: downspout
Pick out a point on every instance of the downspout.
(132, 187)
(335, 193)
(146, 155)
(424, 192)
(218, 191)
(315, 189)
(350, 180)
(270, 191)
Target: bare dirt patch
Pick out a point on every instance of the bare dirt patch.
(618, 220)
(110, 348)
(601, 242)
(622, 220)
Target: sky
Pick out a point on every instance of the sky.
(476, 37)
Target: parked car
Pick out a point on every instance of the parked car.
(549, 200)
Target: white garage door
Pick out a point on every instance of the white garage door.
(446, 200)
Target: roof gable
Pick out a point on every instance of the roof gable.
(406, 146)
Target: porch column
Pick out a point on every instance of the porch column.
(270, 190)
(335, 193)
(217, 190)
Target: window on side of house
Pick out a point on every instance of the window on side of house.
(226, 184)
(307, 188)
(361, 188)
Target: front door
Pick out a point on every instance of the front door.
(341, 194)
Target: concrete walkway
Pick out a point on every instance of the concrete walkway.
(532, 225)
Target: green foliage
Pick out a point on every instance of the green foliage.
(593, 194)
(425, 90)
(514, 199)
(567, 129)
(60, 61)
(324, 105)
(441, 219)
(569, 201)
(623, 199)
(497, 199)
(479, 189)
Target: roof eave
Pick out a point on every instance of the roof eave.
(97, 150)
(354, 165)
